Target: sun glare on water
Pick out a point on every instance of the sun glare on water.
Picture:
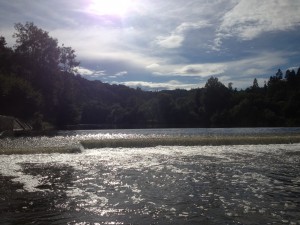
(111, 7)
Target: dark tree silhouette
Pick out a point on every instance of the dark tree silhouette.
(38, 83)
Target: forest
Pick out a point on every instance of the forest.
(39, 85)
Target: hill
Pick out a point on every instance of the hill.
(39, 84)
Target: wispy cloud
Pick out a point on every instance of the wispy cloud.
(119, 74)
(203, 70)
(173, 41)
(122, 73)
(177, 36)
(168, 41)
(170, 85)
(189, 70)
(241, 71)
(90, 73)
(249, 19)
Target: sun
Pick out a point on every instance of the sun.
(110, 7)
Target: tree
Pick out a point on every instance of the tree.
(230, 86)
(67, 59)
(290, 75)
(279, 74)
(167, 109)
(255, 85)
(214, 83)
(275, 80)
(216, 98)
(2, 43)
(37, 82)
(5, 56)
(36, 46)
(18, 98)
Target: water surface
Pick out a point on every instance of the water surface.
(243, 184)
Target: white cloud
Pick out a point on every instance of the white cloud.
(7, 34)
(203, 70)
(167, 40)
(250, 18)
(189, 70)
(260, 64)
(173, 41)
(90, 73)
(84, 71)
(152, 66)
(104, 44)
(186, 26)
(170, 85)
(120, 74)
(177, 36)
(241, 71)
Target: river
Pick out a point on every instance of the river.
(224, 184)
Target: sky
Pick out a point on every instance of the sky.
(168, 44)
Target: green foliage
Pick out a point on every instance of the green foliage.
(6, 56)
(38, 84)
(67, 59)
(18, 98)
(36, 47)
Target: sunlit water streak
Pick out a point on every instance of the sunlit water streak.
(245, 184)
(75, 141)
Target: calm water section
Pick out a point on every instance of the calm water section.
(243, 184)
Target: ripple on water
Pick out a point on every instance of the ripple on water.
(175, 185)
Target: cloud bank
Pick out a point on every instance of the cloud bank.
(168, 44)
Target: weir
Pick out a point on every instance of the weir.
(189, 141)
(76, 144)
(178, 185)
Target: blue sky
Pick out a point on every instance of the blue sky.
(169, 44)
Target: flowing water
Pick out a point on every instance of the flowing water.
(226, 184)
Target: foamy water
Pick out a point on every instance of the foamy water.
(233, 184)
(76, 141)
(162, 185)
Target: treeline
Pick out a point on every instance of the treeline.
(39, 84)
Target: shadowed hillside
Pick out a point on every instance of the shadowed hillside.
(39, 84)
